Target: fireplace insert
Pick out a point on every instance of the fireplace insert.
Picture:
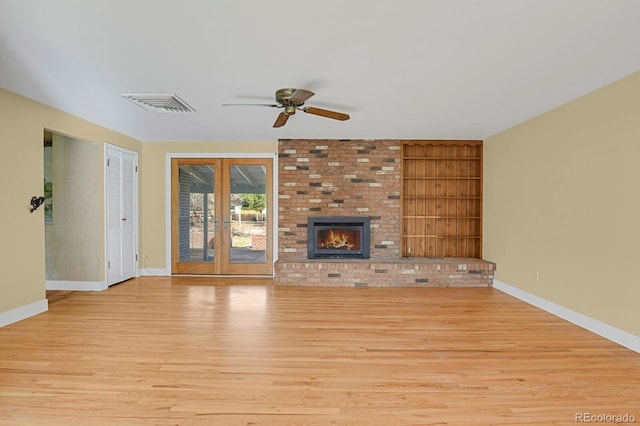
(338, 237)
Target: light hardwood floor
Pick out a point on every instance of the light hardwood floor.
(196, 351)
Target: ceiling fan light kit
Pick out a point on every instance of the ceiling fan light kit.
(290, 100)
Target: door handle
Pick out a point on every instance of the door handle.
(227, 221)
(217, 224)
(124, 218)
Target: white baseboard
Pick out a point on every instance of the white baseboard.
(161, 272)
(23, 312)
(76, 285)
(614, 334)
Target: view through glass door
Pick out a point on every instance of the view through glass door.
(221, 216)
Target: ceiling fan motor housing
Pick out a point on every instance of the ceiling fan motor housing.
(283, 96)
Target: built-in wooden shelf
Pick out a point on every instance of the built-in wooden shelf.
(442, 199)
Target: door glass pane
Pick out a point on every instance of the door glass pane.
(196, 213)
(248, 213)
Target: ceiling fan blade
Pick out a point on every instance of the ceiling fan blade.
(281, 120)
(265, 105)
(300, 96)
(326, 113)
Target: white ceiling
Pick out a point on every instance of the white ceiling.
(411, 69)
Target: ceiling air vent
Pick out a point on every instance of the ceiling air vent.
(160, 103)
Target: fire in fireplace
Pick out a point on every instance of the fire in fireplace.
(342, 237)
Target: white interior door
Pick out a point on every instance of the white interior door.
(122, 214)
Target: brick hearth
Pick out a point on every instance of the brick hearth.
(354, 178)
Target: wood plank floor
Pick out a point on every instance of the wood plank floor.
(195, 351)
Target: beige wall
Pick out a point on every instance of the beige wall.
(22, 124)
(562, 205)
(153, 189)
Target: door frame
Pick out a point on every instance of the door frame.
(136, 210)
(167, 215)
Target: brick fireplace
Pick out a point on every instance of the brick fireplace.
(354, 178)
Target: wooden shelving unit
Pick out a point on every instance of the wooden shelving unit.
(442, 199)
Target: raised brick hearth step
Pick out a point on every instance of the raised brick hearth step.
(405, 272)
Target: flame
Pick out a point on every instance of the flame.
(337, 240)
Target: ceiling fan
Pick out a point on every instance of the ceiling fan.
(293, 99)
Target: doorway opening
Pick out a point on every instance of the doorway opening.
(78, 192)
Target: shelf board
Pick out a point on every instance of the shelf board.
(441, 178)
(439, 217)
(442, 237)
(443, 158)
(440, 198)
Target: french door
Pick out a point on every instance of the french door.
(221, 221)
